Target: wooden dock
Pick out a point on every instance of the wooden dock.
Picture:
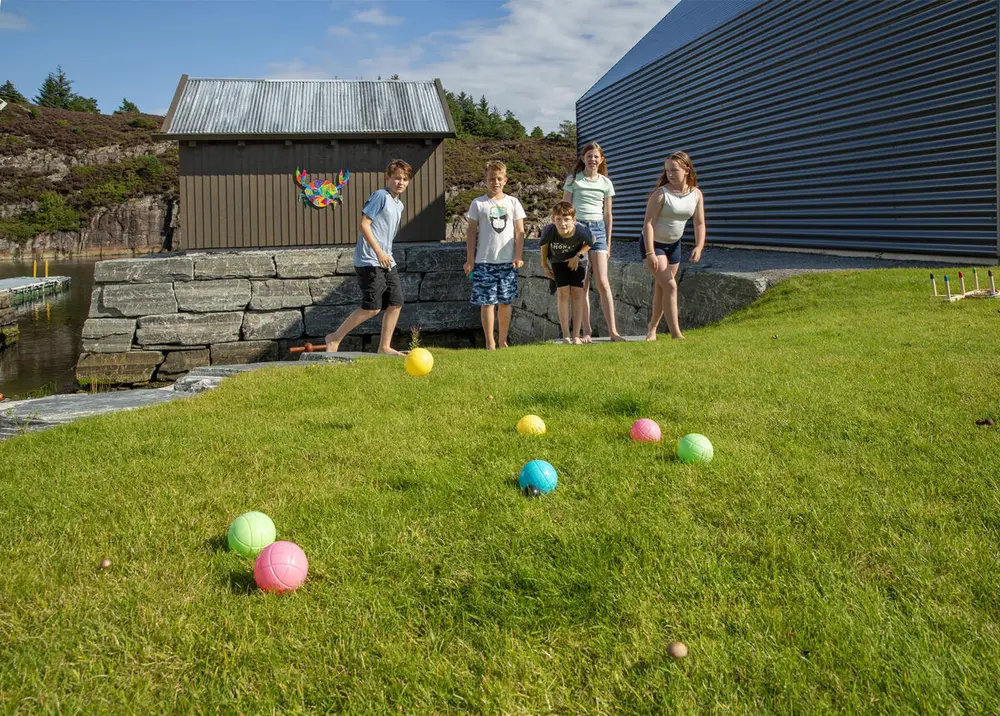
(23, 289)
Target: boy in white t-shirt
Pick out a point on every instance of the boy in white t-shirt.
(494, 242)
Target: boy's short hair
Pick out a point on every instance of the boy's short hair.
(496, 166)
(399, 165)
(564, 208)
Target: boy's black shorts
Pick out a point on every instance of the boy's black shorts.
(380, 288)
(566, 277)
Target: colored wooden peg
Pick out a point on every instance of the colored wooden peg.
(975, 277)
(947, 287)
(961, 280)
(933, 285)
(993, 288)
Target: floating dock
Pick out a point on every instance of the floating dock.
(23, 289)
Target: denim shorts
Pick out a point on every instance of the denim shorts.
(493, 284)
(600, 235)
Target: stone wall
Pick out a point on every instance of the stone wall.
(8, 325)
(703, 297)
(157, 318)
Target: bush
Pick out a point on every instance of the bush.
(143, 123)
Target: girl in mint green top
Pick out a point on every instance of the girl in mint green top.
(589, 190)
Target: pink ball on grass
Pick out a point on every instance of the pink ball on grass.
(281, 567)
(645, 430)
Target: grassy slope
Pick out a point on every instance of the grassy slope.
(840, 553)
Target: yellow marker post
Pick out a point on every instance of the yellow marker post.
(34, 269)
(46, 268)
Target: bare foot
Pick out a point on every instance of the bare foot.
(331, 345)
(679, 337)
(390, 351)
(577, 341)
(503, 345)
(568, 340)
(491, 347)
(586, 338)
(651, 335)
(616, 338)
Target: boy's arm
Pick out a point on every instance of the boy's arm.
(384, 259)
(545, 262)
(519, 243)
(471, 234)
(574, 263)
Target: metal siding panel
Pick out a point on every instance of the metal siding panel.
(838, 112)
(253, 192)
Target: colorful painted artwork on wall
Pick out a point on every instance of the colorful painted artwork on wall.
(321, 193)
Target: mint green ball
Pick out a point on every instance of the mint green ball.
(250, 533)
(694, 448)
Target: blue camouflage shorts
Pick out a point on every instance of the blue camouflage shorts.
(493, 284)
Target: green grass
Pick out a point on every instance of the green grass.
(839, 554)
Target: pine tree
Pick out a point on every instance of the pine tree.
(79, 103)
(537, 133)
(127, 107)
(56, 91)
(567, 130)
(9, 93)
(514, 127)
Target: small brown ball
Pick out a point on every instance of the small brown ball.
(105, 563)
(677, 649)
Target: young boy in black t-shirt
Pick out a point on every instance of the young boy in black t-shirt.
(566, 242)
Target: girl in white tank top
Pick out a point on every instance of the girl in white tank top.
(676, 199)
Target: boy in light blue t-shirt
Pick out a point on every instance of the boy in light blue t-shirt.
(373, 263)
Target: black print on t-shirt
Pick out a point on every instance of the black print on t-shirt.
(498, 218)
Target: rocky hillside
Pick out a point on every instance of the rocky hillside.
(83, 184)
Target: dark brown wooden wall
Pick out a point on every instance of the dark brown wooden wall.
(247, 197)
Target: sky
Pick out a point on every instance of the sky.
(533, 57)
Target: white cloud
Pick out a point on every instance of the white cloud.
(296, 69)
(339, 31)
(376, 16)
(12, 22)
(533, 61)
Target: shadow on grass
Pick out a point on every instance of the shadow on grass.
(630, 406)
(549, 399)
(217, 544)
(241, 581)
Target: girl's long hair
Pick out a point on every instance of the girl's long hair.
(579, 166)
(685, 161)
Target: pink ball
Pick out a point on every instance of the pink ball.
(645, 430)
(280, 567)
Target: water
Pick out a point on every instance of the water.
(51, 330)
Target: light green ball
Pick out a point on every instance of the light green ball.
(694, 448)
(250, 533)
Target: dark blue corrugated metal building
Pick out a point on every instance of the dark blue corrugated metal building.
(847, 125)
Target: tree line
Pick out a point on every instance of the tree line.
(57, 92)
(472, 119)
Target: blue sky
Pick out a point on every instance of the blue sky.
(531, 56)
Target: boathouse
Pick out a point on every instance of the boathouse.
(242, 141)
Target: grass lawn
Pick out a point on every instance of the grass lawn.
(839, 554)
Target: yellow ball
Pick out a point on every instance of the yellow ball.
(531, 425)
(419, 361)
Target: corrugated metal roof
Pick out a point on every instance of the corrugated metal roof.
(689, 19)
(249, 107)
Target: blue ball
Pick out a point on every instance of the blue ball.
(539, 474)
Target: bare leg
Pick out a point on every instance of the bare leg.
(579, 296)
(562, 303)
(657, 311)
(503, 319)
(359, 316)
(388, 328)
(585, 311)
(600, 265)
(486, 318)
(670, 301)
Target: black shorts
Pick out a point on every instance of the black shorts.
(671, 251)
(566, 277)
(379, 288)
